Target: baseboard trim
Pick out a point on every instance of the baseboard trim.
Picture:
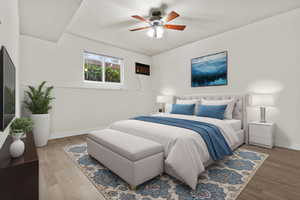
(291, 147)
(64, 134)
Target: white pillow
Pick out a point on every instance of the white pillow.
(183, 101)
(229, 102)
(168, 107)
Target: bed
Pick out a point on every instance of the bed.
(185, 153)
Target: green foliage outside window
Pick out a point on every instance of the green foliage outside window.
(112, 75)
(95, 64)
(92, 72)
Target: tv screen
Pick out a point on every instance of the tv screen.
(7, 89)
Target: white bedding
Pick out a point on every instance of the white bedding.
(236, 124)
(185, 151)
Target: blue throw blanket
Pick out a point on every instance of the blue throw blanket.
(216, 144)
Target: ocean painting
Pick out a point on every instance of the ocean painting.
(210, 70)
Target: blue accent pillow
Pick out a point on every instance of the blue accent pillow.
(183, 109)
(212, 111)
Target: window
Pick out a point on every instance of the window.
(102, 69)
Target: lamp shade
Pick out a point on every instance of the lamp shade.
(262, 100)
(164, 99)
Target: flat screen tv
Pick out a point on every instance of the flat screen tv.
(7, 89)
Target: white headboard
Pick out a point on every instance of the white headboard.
(239, 111)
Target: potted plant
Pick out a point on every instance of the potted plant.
(18, 128)
(38, 103)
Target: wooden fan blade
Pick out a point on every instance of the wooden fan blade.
(141, 28)
(172, 15)
(140, 18)
(175, 27)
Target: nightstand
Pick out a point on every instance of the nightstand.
(261, 134)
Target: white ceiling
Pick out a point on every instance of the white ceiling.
(46, 19)
(108, 21)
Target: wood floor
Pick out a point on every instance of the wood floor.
(277, 179)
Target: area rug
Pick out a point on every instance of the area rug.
(223, 180)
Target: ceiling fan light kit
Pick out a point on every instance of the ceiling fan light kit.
(157, 24)
(156, 30)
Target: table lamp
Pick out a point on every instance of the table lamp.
(163, 100)
(262, 101)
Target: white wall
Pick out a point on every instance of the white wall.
(9, 37)
(77, 109)
(263, 58)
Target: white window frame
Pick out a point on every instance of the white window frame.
(103, 82)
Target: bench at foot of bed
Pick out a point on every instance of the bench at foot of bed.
(135, 159)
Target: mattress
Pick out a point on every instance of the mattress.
(234, 123)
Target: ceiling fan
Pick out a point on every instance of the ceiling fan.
(157, 23)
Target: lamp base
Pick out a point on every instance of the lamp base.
(263, 115)
(162, 108)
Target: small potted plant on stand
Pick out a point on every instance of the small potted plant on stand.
(38, 103)
(18, 128)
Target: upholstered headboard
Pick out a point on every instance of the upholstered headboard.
(238, 111)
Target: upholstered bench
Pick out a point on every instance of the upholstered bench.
(135, 159)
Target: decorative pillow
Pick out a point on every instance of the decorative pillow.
(183, 109)
(229, 102)
(212, 111)
(189, 101)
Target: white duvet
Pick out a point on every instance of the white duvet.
(185, 150)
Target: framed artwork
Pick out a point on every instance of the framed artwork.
(142, 69)
(209, 70)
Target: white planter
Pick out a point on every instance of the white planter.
(17, 147)
(41, 129)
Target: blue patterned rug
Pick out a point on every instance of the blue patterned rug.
(223, 180)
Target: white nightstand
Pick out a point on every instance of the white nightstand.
(261, 134)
